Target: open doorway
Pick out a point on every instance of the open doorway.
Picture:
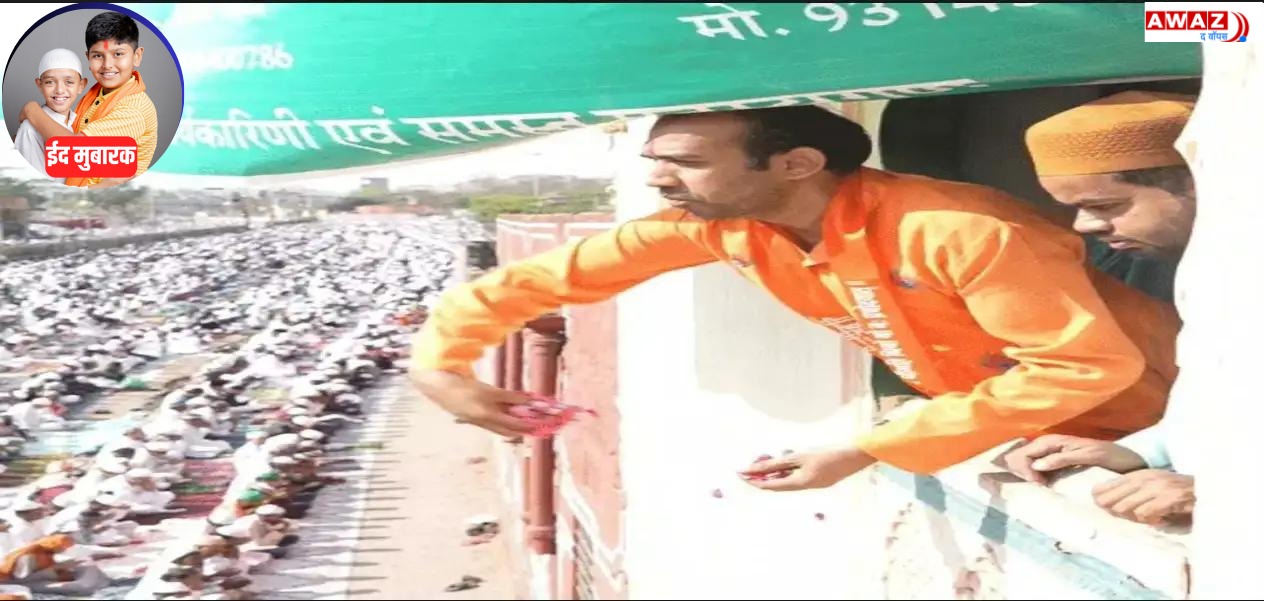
(978, 138)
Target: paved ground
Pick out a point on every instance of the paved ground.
(422, 491)
(395, 531)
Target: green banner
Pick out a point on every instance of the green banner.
(280, 88)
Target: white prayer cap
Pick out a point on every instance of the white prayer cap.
(158, 446)
(312, 434)
(42, 402)
(255, 434)
(113, 468)
(270, 510)
(25, 505)
(139, 472)
(282, 460)
(281, 440)
(297, 411)
(303, 421)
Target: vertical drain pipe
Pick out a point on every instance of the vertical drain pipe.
(544, 340)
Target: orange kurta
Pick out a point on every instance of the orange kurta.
(1023, 337)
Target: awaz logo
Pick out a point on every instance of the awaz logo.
(1209, 25)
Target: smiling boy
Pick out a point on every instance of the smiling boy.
(117, 105)
(60, 80)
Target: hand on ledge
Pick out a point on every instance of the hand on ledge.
(1053, 452)
(1148, 496)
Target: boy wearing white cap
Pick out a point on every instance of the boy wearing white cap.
(60, 80)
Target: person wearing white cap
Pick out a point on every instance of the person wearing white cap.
(48, 420)
(26, 417)
(140, 491)
(223, 558)
(60, 80)
(132, 438)
(249, 460)
(109, 530)
(27, 522)
(53, 565)
(266, 528)
(175, 436)
(196, 424)
(104, 473)
(160, 457)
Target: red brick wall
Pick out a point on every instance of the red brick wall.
(588, 378)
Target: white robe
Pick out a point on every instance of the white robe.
(262, 535)
(199, 447)
(84, 489)
(118, 533)
(26, 416)
(141, 501)
(30, 143)
(250, 459)
(22, 532)
(122, 442)
(183, 343)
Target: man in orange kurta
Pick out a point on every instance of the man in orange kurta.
(964, 292)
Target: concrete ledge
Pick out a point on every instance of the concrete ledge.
(1058, 527)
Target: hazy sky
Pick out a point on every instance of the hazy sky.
(581, 153)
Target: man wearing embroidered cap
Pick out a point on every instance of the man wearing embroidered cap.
(1115, 161)
(60, 80)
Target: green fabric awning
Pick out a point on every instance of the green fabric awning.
(279, 88)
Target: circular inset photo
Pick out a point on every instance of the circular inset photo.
(93, 95)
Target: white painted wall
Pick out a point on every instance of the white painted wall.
(1219, 289)
(712, 373)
